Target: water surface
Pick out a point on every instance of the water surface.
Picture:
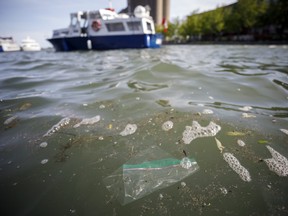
(147, 88)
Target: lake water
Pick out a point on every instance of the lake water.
(62, 115)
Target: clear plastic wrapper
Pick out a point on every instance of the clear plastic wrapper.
(148, 171)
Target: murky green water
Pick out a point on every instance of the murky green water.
(66, 175)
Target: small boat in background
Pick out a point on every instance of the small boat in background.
(7, 44)
(105, 29)
(29, 44)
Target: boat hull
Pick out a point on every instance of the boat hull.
(9, 48)
(107, 42)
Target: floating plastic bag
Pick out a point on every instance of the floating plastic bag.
(148, 171)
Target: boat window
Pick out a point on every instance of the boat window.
(115, 27)
(134, 26)
(74, 21)
(149, 26)
(94, 15)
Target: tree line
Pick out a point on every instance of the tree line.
(244, 20)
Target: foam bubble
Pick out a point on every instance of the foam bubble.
(168, 125)
(248, 115)
(63, 122)
(43, 144)
(246, 108)
(284, 131)
(88, 121)
(192, 132)
(237, 167)
(129, 129)
(278, 163)
(241, 143)
(207, 112)
(44, 161)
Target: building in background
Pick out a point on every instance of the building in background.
(160, 9)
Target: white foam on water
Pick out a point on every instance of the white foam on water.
(88, 121)
(241, 143)
(63, 122)
(196, 130)
(207, 112)
(237, 167)
(44, 161)
(248, 115)
(246, 108)
(43, 144)
(284, 131)
(129, 129)
(168, 125)
(278, 163)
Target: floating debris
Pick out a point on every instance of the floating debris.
(44, 161)
(25, 106)
(183, 184)
(63, 122)
(192, 132)
(278, 163)
(10, 122)
(235, 133)
(88, 121)
(284, 131)
(207, 112)
(262, 141)
(102, 106)
(219, 145)
(168, 125)
(223, 190)
(241, 143)
(246, 108)
(43, 144)
(163, 103)
(237, 167)
(248, 115)
(129, 129)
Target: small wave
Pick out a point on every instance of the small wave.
(144, 86)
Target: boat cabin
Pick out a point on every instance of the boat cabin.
(106, 22)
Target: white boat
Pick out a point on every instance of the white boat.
(105, 29)
(28, 44)
(7, 44)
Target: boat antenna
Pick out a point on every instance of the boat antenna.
(129, 8)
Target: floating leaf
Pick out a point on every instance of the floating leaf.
(262, 141)
(164, 103)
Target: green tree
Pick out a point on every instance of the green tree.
(249, 12)
(277, 15)
(191, 26)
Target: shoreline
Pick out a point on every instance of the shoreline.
(228, 43)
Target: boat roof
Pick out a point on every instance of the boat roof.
(105, 14)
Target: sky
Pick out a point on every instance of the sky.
(38, 18)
